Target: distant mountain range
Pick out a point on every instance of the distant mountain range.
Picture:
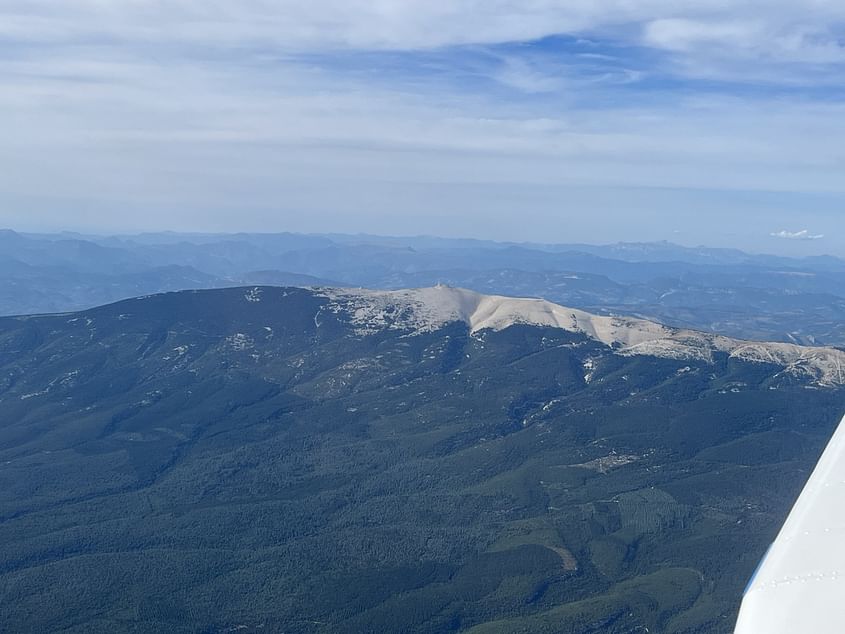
(265, 459)
(723, 291)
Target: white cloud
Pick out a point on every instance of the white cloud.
(412, 24)
(680, 34)
(523, 76)
(729, 39)
(199, 103)
(804, 234)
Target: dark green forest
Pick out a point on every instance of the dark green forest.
(224, 461)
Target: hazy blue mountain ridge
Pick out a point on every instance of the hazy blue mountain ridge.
(721, 290)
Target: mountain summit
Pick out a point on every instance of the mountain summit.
(428, 309)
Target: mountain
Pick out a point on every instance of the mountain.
(55, 289)
(283, 278)
(434, 308)
(725, 291)
(263, 459)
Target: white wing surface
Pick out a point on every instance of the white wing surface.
(799, 587)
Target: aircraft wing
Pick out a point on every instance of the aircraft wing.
(799, 587)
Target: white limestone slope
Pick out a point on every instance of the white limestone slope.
(428, 309)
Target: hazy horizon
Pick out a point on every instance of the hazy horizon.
(798, 246)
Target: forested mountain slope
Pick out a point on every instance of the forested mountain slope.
(288, 460)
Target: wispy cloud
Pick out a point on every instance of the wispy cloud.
(804, 234)
(210, 103)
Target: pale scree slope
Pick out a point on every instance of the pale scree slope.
(427, 309)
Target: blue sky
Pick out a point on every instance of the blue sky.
(700, 122)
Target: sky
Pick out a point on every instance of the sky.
(718, 122)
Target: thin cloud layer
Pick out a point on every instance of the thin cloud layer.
(805, 29)
(350, 107)
(804, 234)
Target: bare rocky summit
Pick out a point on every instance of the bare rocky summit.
(428, 309)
